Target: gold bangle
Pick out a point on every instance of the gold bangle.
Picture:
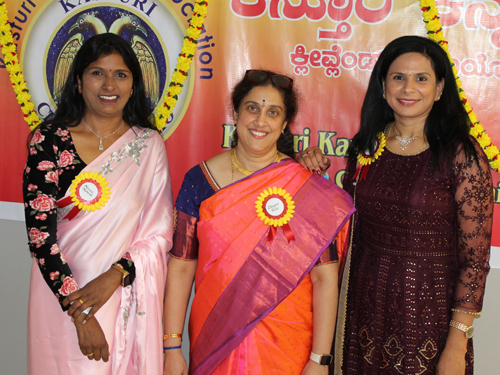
(172, 335)
(466, 312)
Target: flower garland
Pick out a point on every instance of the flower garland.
(9, 51)
(434, 28)
(183, 63)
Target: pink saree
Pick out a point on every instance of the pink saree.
(137, 219)
(252, 311)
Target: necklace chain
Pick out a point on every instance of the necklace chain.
(101, 147)
(403, 142)
(236, 164)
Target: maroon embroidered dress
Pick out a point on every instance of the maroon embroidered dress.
(421, 248)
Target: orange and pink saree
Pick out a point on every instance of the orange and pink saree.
(252, 311)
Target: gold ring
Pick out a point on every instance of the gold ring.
(90, 355)
(81, 301)
(303, 156)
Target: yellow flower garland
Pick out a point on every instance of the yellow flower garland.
(434, 28)
(170, 99)
(9, 52)
(183, 63)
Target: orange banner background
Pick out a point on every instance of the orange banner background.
(328, 47)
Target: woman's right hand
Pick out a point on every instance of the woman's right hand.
(174, 363)
(92, 340)
(313, 160)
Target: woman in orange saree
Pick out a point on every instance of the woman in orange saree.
(251, 241)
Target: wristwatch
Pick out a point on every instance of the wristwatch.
(125, 275)
(322, 359)
(469, 331)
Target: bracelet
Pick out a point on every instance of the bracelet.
(171, 347)
(466, 312)
(172, 335)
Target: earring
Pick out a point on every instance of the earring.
(383, 94)
(80, 89)
(439, 97)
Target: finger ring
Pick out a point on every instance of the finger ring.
(80, 300)
(303, 156)
(309, 152)
(90, 355)
(87, 310)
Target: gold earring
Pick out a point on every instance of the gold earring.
(383, 94)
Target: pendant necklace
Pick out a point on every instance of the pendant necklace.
(101, 147)
(236, 164)
(403, 142)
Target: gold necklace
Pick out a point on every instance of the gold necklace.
(236, 164)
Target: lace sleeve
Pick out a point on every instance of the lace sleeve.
(474, 207)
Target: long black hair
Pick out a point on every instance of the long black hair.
(447, 125)
(70, 103)
(290, 100)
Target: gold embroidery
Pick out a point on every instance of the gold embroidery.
(429, 350)
(364, 338)
(392, 347)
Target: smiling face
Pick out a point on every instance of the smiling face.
(411, 87)
(260, 120)
(106, 86)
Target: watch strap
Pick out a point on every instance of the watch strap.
(468, 330)
(321, 359)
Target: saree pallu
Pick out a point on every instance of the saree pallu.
(137, 220)
(252, 311)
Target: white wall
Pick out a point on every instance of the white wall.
(15, 266)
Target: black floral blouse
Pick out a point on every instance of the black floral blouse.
(52, 165)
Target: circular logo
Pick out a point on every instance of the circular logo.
(61, 27)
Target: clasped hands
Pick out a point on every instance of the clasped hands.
(94, 295)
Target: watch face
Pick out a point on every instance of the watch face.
(326, 360)
(469, 333)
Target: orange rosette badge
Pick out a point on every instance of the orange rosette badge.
(276, 207)
(89, 191)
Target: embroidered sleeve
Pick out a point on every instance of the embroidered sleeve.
(41, 177)
(187, 205)
(329, 254)
(474, 205)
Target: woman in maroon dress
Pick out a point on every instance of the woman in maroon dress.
(417, 270)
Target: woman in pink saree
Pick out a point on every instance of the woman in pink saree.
(259, 235)
(98, 214)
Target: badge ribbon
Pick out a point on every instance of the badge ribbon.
(276, 207)
(89, 191)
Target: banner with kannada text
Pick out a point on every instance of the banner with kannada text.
(328, 46)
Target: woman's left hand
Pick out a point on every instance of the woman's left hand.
(95, 294)
(313, 160)
(451, 362)
(312, 368)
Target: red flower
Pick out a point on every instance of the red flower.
(42, 203)
(45, 164)
(37, 237)
(127, 256)
(53, 275)
(32, 187)
(37, 138)
(54, 249)
(52, 176)
(41, 217)
(33, 151)
(69, 286)
(66, 158)
(41, 261)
